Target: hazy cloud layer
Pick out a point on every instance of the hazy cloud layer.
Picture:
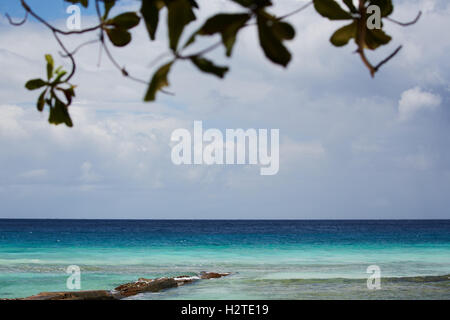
(351, 146)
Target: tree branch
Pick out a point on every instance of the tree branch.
(295, 11)
(17, 23)
(54, 29)
(393, 54)
(405, 24)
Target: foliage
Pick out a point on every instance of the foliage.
(273, 33)
(58, 107)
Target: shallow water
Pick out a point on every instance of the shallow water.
(268, 259)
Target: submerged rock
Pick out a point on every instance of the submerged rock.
(145, 285)
(128, 289)
(212, 275)
(75, 295)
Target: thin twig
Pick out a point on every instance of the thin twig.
(295, 11)
(378, 66)
(361, 38)
(69, 55)
(200, 53)
(216, 45)
(17, 23)
(54, 29)
(109, 54)
(81, 46)
(405, 24)
(117, 65)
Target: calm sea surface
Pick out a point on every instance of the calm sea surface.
(269, 259)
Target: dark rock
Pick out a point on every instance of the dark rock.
(212, 275)
(127, 289)
(75, 295)
(145, 285)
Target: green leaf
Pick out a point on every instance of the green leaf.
(343, 35)
(108, 6)
(41, 101)
(219, 22)
(35, 84)
(159, 81)
(58, 78)
(228, 25)
(84, 3)
(376, 38)
(150, 12)
(351, 6)
(59, 114)
(127, 20)
(50, 65)
(271, 40)
(331, 9)
(283, 30)
(194, 4)
(69, 93)
(386, 6)
(257, 4)
(207, 66)
(119, 37)
(180, 14)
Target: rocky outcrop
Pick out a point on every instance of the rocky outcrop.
(212, 275)
(156, 285)
(145, 285)
(128, 289)
(75, 295)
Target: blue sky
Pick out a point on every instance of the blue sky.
(351, 146)
(49, 9)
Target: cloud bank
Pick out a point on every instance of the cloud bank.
(351, 146)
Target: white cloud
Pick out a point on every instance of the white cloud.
(414, 100)
(123, 147)
(340, 139)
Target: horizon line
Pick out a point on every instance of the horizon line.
(235, 219)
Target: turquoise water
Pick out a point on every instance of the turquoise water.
(268, 259)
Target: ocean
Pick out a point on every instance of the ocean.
(268, 259)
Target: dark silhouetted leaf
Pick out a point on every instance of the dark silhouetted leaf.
(376, 38)
(343, 35)
(207, 66)
(385, 5)
(41, 101)
(194, 4)
(84, 3)
(119, 37)
(351, 6)
(127, 20)
(150, 12)
(271, 40)
(108, 6)
(180, 14)
(256, 4)
(69, 93)
(228, 25)
(35, 84)
(59, 114)
(283, 30)
(331, 10)
(159, 81)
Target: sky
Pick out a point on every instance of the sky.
(351, 147)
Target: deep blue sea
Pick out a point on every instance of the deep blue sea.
(268, 259)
